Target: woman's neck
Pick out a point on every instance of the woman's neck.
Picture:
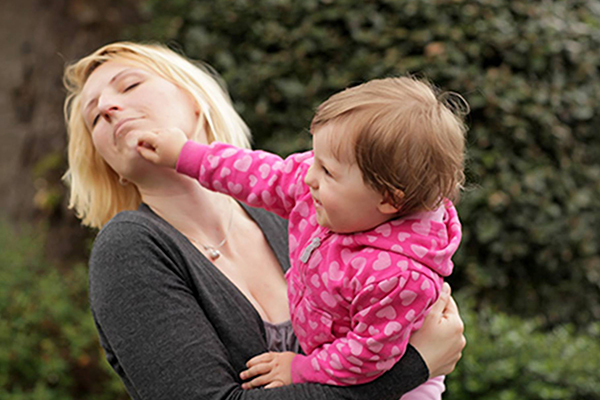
(198, 213)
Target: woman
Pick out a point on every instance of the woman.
(188, 287)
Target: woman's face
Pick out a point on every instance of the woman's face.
(119, 100)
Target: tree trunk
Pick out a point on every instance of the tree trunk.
(39, 37)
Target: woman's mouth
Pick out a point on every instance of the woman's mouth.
(120, 130)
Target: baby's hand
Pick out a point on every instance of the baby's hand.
(271, 370)
(161, 147)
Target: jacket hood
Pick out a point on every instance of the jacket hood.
(430, 238)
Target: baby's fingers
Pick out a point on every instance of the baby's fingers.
(148, 152)
(147, 137)
(258, 369)
(259, 359)
(258, 382)
(274, 384)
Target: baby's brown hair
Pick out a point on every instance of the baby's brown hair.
(407, 139)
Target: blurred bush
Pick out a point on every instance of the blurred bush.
(48, 343)
(508, 358)
(528, 69)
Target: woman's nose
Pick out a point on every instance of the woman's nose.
(108, 105)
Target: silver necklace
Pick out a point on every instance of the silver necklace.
(213, 251)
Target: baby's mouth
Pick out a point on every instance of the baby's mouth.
(317, 202)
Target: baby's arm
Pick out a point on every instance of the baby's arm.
(257, 178)
(383, 315)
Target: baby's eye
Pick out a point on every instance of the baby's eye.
(95, 121)
(326, 171)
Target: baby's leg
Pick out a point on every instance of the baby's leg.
(430, 390)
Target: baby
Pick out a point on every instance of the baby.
(371, 227)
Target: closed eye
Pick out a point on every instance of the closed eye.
(128, 88)
(95, 121)
(326, 171)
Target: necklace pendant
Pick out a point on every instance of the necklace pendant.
(213, 253)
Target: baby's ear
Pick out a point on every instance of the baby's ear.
(389, 205)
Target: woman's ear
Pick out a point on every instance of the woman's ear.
(391, 203)
(202, 128)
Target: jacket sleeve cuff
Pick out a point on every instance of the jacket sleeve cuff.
(299, 364)
(190, 159)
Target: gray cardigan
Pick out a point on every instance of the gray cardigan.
(174, 327)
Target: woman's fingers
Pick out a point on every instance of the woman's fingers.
(440, 306)
(438, 309)
(451, 311)
(440, 339)
(454, 323)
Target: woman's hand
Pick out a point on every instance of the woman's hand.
(162, 146)
(440, 340)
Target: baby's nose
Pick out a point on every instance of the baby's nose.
(309, 179)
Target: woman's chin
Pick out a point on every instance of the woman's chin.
(131, 140)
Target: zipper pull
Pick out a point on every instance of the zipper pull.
(316, 242)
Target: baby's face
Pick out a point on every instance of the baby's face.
(344, 203)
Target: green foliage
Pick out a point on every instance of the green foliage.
(507, 358)
(529, 71)
(47, 174)
(48, 343)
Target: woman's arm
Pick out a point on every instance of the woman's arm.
(160, 340)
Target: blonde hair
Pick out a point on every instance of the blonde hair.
(407, 141)
(95, 192)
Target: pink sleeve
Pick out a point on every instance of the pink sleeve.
(257, 178)
(383, 315)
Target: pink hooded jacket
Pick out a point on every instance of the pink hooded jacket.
(354, 298)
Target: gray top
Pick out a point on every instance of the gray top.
(174, 327)
(280, 337)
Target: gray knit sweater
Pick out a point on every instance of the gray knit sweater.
(174, 327)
